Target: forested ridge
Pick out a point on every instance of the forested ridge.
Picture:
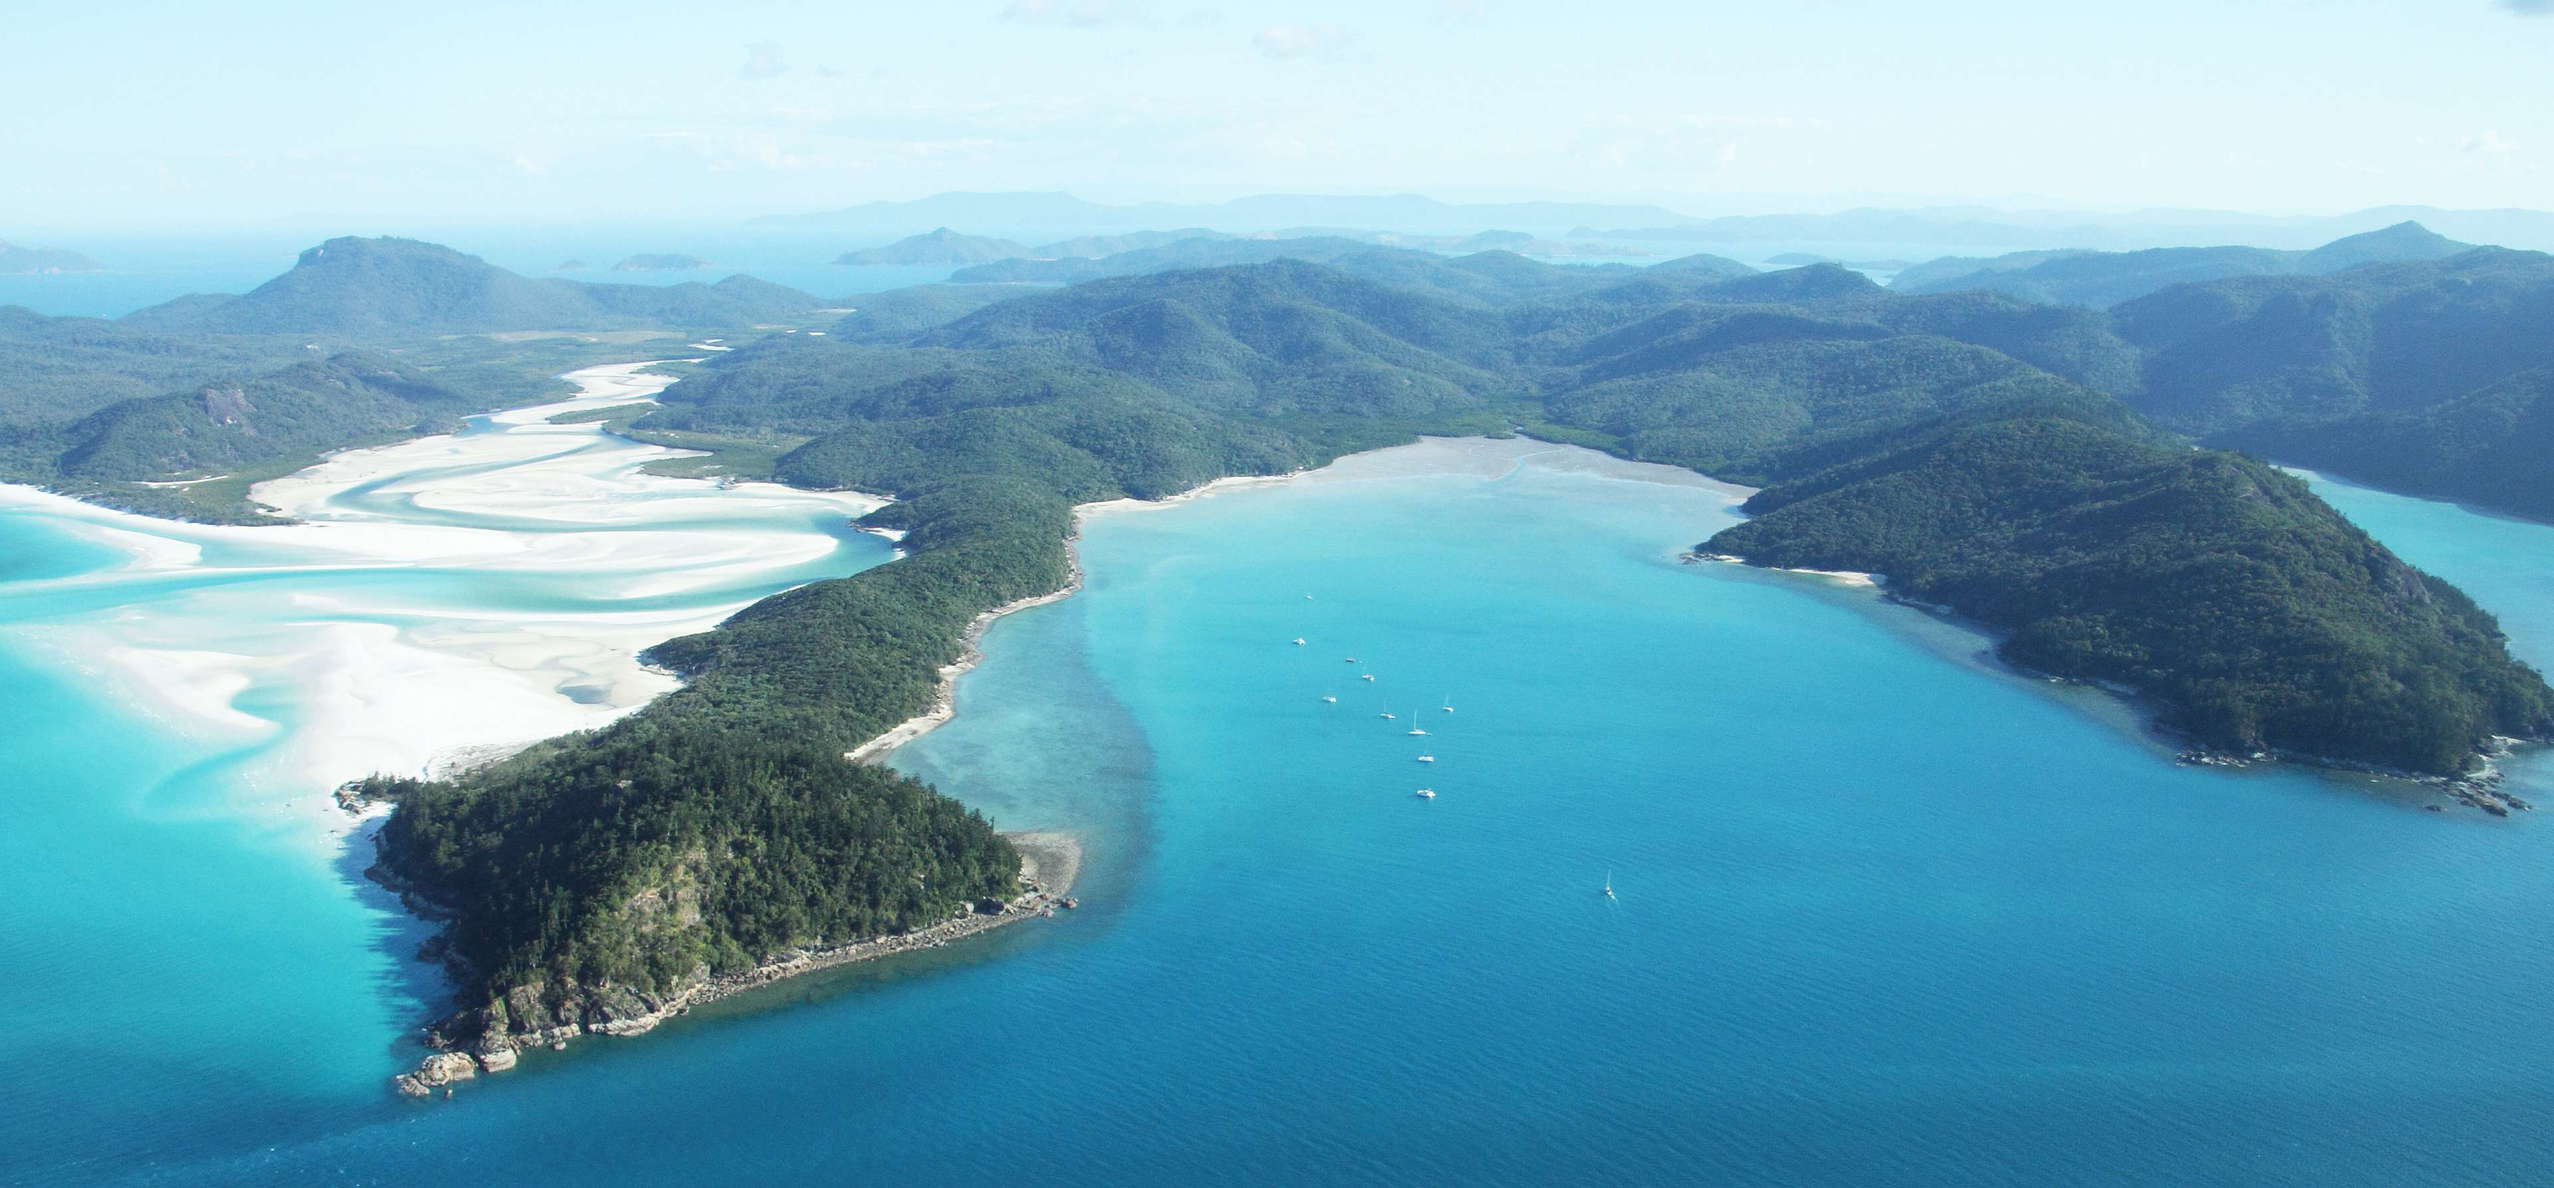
(1985, 453)
(1959, 442)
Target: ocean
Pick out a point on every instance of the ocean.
(1885, 913)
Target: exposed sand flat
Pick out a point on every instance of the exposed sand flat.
(442, 598)
(1841, 577)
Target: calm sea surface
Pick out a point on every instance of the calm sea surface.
(1886, 915)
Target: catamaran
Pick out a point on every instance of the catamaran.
(1427, 794)
(1415, 728)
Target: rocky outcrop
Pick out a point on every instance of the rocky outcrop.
(438, 1071)
(490, 1039)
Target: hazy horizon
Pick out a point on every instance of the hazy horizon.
(290, 114)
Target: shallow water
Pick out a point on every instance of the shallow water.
(1886, 914)
(191, 960)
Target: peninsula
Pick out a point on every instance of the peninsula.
(1975, 450)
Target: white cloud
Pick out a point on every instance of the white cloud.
(763, 60)
(1079, 14)
(2489, 141)
(1298, 41)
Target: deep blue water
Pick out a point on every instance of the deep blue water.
(1887, 915)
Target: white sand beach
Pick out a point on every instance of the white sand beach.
(442, 596)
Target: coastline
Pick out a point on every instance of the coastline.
(1841, 577)
(2134, 712)
(1488, 456)
(1049, 864)
(944, 705)
(1484, 456)
(323, 680)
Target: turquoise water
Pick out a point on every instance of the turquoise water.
(1886, 914)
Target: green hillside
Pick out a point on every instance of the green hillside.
(2103, 279)
(360, 289)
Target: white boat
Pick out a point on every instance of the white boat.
(1352, 659)
(1330, 699)
(1609, 884)
(1427, 758)
(1299, 641)
(1431, 794)
(1449, 704)
(1368, 677)
(1415, 728)
(1385, 714)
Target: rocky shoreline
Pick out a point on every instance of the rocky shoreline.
(1049, 863)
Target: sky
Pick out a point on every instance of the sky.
(141, 115)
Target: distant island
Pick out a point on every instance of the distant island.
(1801, 259)
(660, 262)
(572, 266)
(2104, 279)
(27, 261)
(940, 246)
(1261, 213)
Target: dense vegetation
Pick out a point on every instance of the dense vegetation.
(1402, 267)
(2494, 445)
(938, 246)
(2424, 377)
(2104, 279)
(899, 314)
(1967, 444)
(361, 289)
(611, 870)
(1935, 449)
(257, 385)
(290, 413)
(2248, 610)
(107, 413)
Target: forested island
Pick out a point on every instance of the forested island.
(2022, 465)
(18, 260)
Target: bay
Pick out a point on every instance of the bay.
(1887, 913)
